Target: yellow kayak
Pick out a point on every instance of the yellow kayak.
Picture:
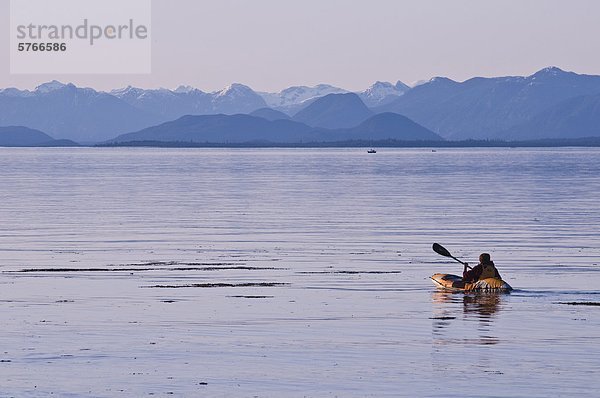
(455, 283)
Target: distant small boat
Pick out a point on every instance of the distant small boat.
(433, 150)
(371, 151)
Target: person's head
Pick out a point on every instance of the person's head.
(485, 258)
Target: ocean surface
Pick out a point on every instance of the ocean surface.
(297, 272)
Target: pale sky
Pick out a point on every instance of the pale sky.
(273, 44)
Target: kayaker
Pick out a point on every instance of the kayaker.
(485, 269)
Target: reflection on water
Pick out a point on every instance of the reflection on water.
(483, 307)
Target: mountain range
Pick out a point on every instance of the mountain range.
(68, 112)
(82, 114)
(550, 103)
(502, 107)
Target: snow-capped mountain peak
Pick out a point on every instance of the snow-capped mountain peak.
(15, 92)
(51, 86)
(296, 95)
(236, 98)
(185, 89)
(235, 89)
(381, 93)
(123, 91)
(379, 88)
(401, 86)
(130, 93)
(549, 72)
(418, 83)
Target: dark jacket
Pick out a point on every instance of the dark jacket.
(474, 274)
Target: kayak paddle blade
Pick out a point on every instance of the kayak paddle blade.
(441, 250)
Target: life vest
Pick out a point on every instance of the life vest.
(487, 271)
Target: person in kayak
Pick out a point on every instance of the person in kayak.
(485, 269)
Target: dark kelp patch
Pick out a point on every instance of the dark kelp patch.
(211, 285)
(170, 263)
(146, 269)
(349, 272)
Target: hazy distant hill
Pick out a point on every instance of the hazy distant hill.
(270, 114)
(245, 128)
(220, 128)
(573, 118)
(387, 126)
(335, 111)
(23, 136)
(485, 107)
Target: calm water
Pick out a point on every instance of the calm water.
(290, 273)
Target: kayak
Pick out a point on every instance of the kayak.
(455, 283)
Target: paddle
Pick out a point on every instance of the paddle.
(439, 249)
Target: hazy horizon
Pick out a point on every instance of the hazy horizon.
(270, 45)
